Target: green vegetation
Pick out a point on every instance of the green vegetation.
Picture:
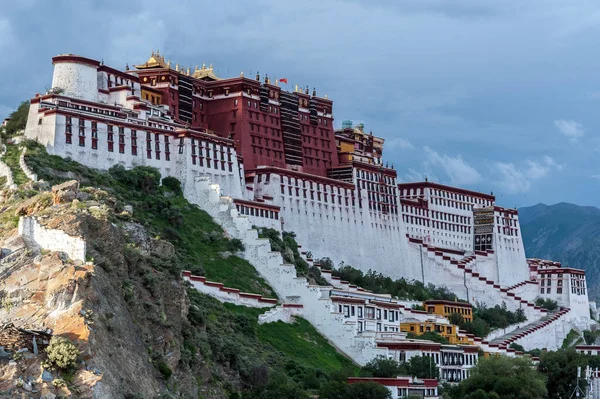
(573, 338)
(502, 377)
(287, 245)
(11, 158)
(380, 284)
(486, 319)
(61, 354)
(363, 390)
(18, 119)
(517, 347)
(287, 359)
(199, 242)
(416, 366)
(560, 369)
(590, 337)
(547, 304)
(429, 336)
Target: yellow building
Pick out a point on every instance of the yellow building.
(446, 308)
(448, 331)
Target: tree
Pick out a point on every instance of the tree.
(368, 390)
(420, 367)
(381, 367)
(560, 368)
(548, 304)
(18, 119)
(502, 377)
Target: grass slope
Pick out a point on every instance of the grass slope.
(230, 334)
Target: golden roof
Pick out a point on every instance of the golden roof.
(155, 61)
(205, 73)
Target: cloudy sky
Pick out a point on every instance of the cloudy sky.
(488, 95)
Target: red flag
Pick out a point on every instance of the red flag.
(283, 80)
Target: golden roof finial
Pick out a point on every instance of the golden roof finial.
(169, 64)
(152, 53)
(276, 82)
(203, 66)
(177, 67)
(188, 71)
(210, 66)
(326, 96)
(242, 74)
(296, 89)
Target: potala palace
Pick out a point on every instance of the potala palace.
(252, 154)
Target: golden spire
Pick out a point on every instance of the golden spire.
(210, 66)
(242, 74)
(155, 61)
(326, 96)
(177, 67)
(276, 82)
(296, 89)
(203, 66)
(169, 64)
(188, 71)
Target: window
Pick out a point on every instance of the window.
(81, 133)
(121, 140)
(133, 142)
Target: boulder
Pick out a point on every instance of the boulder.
(65, 192)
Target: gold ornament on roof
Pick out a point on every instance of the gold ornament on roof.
(206, 73)
(155, 61)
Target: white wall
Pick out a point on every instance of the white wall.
(225, 294)
(76, 79)
(51, 239)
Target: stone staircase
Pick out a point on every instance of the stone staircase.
(530, 328)
(464, 268)
(295, 292)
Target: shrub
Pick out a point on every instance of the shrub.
(381, 367)
(548, 304)
(173, 184)
(164, 369)
(62, 353)
(235, 245)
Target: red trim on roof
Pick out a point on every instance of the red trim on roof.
(75, 58)
(446, 188)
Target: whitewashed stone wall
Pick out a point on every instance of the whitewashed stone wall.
(5, 170)
(549, 337)
(51, 239)
(76, 80)
(28, 172)
(284, 313)
(226, 294)
(363, 238)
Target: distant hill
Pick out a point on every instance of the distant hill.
(566, 233)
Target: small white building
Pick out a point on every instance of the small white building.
(402, 387)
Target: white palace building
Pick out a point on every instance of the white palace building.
(252, 154)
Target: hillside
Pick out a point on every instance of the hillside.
(142, 332)
(567, 233)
